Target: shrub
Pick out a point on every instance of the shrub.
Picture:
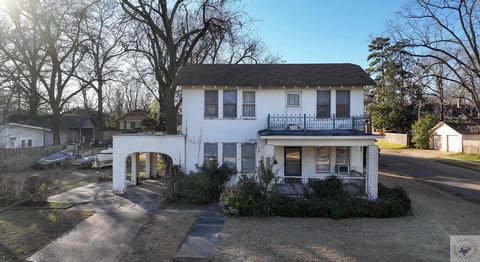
(248, 198)
(203, 186)
(37, 188)
(332, 187)
(421, 131)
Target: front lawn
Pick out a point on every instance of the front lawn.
(25, 231)
(160, 239)
(422, 237)
(467, 157)
(387, 145)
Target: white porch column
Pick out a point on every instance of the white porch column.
(119, 174)
(148, 163)
(372, 172)
(134, 172)
(154, 165)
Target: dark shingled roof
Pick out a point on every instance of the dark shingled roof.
(465, 128)
(65, 122)
(273, 75)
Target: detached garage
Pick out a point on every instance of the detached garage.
(451, 137)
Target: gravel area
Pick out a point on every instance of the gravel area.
(160, 239)
(424, 236)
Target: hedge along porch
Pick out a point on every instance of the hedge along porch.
(125, 146)
(354, 159)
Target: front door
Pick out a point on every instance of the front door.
(293, 161)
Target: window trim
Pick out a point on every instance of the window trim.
(299, 99)
(250, 104)
(234, 157)
(254, 157)
(329, 160)
(205, 105)
(329, 105)
(349, 103)
(223, 103)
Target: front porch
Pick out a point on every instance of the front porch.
(301, 159)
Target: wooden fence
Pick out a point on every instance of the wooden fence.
(471, 146)
(21, 159)
(396, 138)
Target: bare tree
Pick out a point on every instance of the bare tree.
(60, 27)
(447, 33)
(23, 50)
(104, 29)
(170, 33)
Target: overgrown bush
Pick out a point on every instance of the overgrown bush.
(331, 187)
(327, 198)
(421, 131)
(34, 188)
(203, 186)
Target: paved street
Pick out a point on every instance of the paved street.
(421, 165)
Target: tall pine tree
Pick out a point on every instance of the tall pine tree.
(392, 102)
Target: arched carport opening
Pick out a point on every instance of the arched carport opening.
(144, 165)
(125, 146)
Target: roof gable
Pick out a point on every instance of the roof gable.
(461, 128)
(273, 75)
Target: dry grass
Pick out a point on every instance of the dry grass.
(24, 231)
(63, 179)
(160, 239)
(387, 145)
(424, 236)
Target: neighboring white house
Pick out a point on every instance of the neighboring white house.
(450, 136)
(14, 135)
(308, 117)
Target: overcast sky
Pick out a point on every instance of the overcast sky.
(321, 31)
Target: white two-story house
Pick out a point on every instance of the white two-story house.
(308, 117)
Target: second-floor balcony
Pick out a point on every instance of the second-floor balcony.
(311, 125)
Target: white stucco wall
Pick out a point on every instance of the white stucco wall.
(37, 135)
(199, 130)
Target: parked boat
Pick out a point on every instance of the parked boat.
(104, 158)
(56, 158)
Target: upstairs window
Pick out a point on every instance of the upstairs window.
(229, 104)
(210, 154)
(248, 104)
(293, 99)
(211, 104)
(343, 103)
(323, 104)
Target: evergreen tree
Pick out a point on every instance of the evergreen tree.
(392, 102)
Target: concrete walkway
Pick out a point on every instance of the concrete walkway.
(202, 240)
(102, 235)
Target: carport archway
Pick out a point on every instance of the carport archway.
(127, 145)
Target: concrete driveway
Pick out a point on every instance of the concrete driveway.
(420, 164)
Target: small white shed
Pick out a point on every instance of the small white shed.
(13, 135)
(450, 136)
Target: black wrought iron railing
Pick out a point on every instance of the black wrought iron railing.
(295, 124)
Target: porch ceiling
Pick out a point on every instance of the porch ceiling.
(320, 140)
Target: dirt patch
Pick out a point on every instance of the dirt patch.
(424, 236)
(160, 239)
(23, 232)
